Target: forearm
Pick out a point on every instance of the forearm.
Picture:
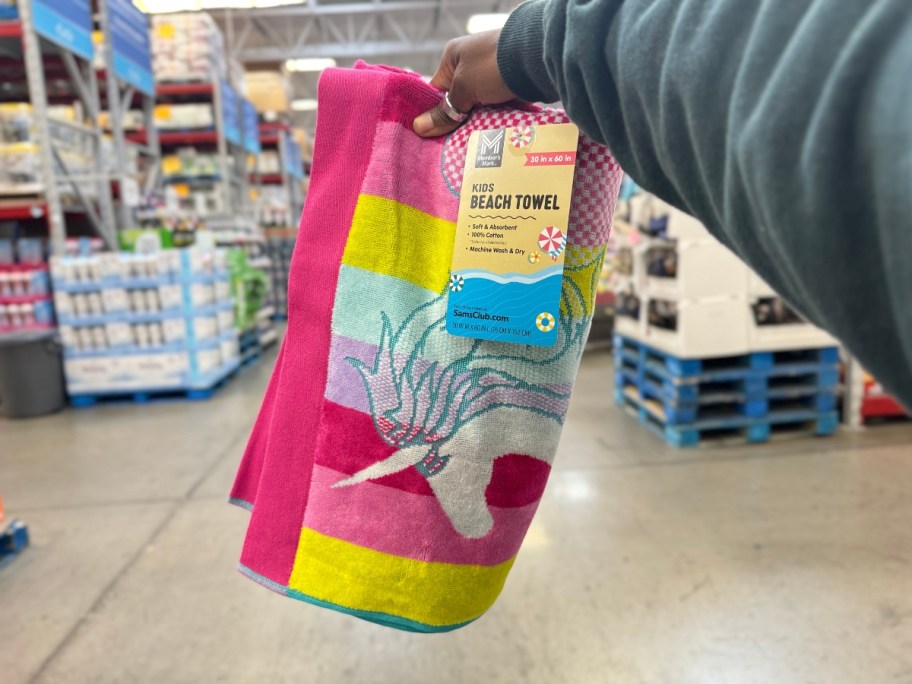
(783, 125)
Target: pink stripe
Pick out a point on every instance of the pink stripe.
(408, 525)
(391, 172)
(340, 159)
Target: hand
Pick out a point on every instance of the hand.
(469, 71)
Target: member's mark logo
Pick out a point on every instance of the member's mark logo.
(490, 149)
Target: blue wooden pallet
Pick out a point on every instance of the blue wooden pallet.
(200, 392)
(738, 428)
(711, 401)
(13, 539)
(780, 363)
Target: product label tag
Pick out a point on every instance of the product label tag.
(511, 234)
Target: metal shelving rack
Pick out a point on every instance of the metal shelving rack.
(120, 97)
(19, 40)
(275, 136)
(232, 180)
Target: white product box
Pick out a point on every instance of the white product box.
(173, 330)
(630, 327)
(169, 262)
(204, 327)
(112, 266)
(69, 337)
(683, 226)
(92, 374)
(119, 334)
(222, 290)
(208, 360)
(225, 321)
(195, 262)
(784, 336)
(137, 301)
(170, 297)
(704, 269)
(758, 287)
(220, 259)
(229, 349)
(115, 299)
(63, 304)
(157, 370)
(706, 328)
(201, 294)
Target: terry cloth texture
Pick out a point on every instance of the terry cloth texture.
(394, 469)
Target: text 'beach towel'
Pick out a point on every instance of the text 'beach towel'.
(394, 469)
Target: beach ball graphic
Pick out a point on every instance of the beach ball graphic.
(522, 136)
(534, 258)
(545, 322)
(456, 283)
(552, 240)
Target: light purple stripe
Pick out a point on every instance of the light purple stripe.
(344, 385)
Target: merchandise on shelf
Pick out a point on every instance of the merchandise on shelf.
(184, 116)
(187, 162)
(25, 295)
(187, 47)
(280, 247)
(269, 162)
(269, 91)
(249, 287)
(20, 150)
(157, 321)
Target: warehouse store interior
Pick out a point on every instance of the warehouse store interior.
(237, 445)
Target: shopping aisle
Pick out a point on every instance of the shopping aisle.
(646, 564)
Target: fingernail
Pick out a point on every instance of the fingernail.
(423, 124)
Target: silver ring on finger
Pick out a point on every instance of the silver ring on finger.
(450, 111)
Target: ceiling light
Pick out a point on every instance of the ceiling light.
(305, 105)
(486, 22)
(310, 64)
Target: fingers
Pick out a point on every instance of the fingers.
(434, 123)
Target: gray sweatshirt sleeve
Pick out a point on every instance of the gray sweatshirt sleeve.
(784, 125)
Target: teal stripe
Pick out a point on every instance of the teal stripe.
(371, 616)
(363, 296)
(241, 503)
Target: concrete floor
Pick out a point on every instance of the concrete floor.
(783, 563)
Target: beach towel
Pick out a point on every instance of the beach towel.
(394, 469)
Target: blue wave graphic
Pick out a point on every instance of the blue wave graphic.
(504, 278)
(505, 312)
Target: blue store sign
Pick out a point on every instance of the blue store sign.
(251, 128)
(67, 23)
(131, 45)
(231, 115)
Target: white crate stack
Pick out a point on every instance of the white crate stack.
(187, 47)
(155, 322)
(688, 295)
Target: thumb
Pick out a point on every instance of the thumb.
(436, 122)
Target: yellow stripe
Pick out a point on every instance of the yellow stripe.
(359, 578)
(584, 277)
(396, 240)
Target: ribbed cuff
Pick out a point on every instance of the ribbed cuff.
(520, 54)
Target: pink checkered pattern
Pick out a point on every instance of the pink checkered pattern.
(596, 182)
